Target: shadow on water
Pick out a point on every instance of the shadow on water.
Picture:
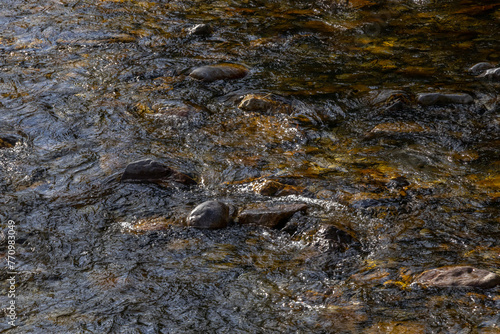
(88, 87)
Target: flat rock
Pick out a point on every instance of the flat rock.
(210, 215)
(460, 276)
(219, 72)
(153, 171)
(329, 237)
(269, 214)
(430, 99)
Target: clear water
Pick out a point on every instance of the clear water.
(90, 86)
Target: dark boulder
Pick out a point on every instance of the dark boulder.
(269, 215)
(460, 276)
(219, 72)
(153, 171)
(210, 215)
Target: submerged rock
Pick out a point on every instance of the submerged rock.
(274, 188)
(395, 129)
(252, 102)
(270, 215)
(219, 72)
(200, 30)
(430, 99)
(210, 215)
(153, 171)
(329, 237)
(480, 68)
(461, 276)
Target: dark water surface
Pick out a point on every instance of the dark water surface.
(87, 87)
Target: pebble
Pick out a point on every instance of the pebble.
(430, 99)
(212, 73)
(459, 276)
(269, 214)
(200, 30)
(153, 171)
(210, 215)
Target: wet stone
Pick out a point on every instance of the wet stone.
(210, 215)
(200, 30)
(219, 72)
(480, 68)
(492, 74)
(329, 237)
(460, 276)
(153, 171)
(431, 99)
(252, 102)
(269, 214)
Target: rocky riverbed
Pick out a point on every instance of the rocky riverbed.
(250, 167)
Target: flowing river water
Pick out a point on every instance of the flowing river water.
(87, 87)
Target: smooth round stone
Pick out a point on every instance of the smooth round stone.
(209, 215)
(219, 72)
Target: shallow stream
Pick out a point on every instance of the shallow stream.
(87, 87)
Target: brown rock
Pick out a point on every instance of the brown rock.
(274, 188)
(269, 214)
(219, 72)
(461, 276)
(430, 99)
